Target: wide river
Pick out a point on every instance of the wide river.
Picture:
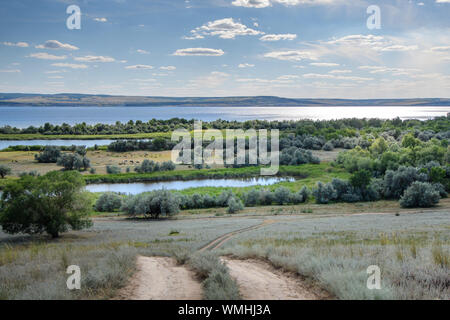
(136, 188)
(22, 117)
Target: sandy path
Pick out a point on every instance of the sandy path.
(258, 280)
(159, 278)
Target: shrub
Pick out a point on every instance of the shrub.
(324, 193)
(251, 198)
(328, 146)
(51, 203)
(282, 195)
(155, 204)
(396, 182)
(108, 202)
(4, 170)
(73, 161)
(361, 179)
(234, 205)
(296, 156)
(113, 170)
(301, 196)
(266, 197)
(49, 155)
(420, 195)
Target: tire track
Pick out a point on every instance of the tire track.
(217, 243)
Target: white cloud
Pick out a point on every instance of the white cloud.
(224, 28)
(70, 65)
(16, 44)
(251, 3)
(139, 67)
(246, 65)
(168, 68)
(46, 56)
(141, 51)
(291, 55)
(340, 71)
(54, 44)
(442, 49)
(101, 19)
(288, 77)
(10, 71)
(394, 71)
(214, 79)
(324, 64)
(268, 3)
(278, 37)
(94, 59)
(199, 52)
(330, 76)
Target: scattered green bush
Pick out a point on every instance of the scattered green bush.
(4, 171)
(49, 155)
(420, 195)
(113, 170)
(108, 202)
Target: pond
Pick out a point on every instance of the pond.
(62, 143)
(136, 188)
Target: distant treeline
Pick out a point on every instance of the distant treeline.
(328, 129)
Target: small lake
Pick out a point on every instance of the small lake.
(136, 188)
(22, 117)
(61, 143)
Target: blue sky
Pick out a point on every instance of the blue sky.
(290, 48)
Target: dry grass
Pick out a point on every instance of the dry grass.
(23, 161)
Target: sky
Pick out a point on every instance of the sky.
(290, 48)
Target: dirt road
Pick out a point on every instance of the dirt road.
(257, 280)
(159, 278)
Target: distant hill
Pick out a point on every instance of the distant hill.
(69, 99)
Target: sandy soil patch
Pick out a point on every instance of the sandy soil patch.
(258, 280)
(160, 278)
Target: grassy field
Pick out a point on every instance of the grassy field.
(23, 161)
(332, 250)
(412, 251)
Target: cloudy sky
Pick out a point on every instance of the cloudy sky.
(290, 48)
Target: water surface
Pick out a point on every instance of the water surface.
(62, 143)
(23, 117)
(136, 188)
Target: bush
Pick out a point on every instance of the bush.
(324, 193)
(4, 170)
(251, 198)
(52, 203)
(396, 182)
(282, 195)
(234, 205)
(108, 202)
(113, 170)
(148, 166)
(301, 196)
(420, 195)
(295, 156)
(49, 155)
(328, 146)
(155, 204)
(73, 161)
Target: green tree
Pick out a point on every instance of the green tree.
(361, 179)
(52, 203)
(49, 155)
(4, 170)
